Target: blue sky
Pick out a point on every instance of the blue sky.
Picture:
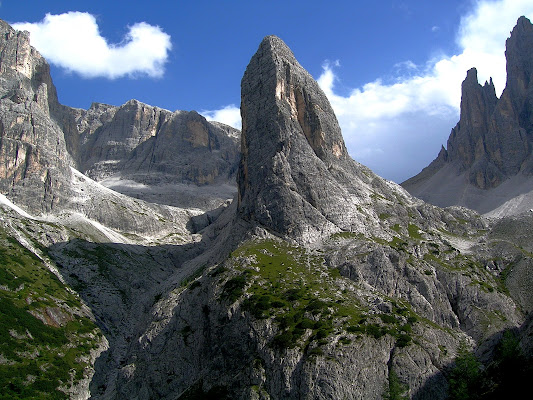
(391, 69)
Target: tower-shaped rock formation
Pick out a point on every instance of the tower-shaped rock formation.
(34, 161)
(295, 176)
(492, 142)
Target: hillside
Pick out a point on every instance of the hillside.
(320, 280)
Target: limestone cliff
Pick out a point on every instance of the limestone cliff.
(34, 161)
(295, 175)
(146, 152)
(321, 281)
(336, 280)
(153, 148)
(488, 159)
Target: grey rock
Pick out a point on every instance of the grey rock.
(140, 150)
(34, 162)
(388, 247)
(148, 152)
(491, 144)
(362, 280)
(295, 175)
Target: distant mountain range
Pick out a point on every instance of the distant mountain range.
(280, 269)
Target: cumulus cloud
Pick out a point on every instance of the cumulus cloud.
(72, 41)
(229, 115)
(396, 128)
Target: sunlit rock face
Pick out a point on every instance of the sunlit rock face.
(174, 158)
(34, 161)
(313, 227)
(322, 281)
(149, 144)
(295, 175)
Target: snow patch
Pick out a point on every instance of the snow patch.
(113, 236)
(6, 202)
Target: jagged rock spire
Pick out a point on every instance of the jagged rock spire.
(290, 141)
(493, 140)
(295, 176)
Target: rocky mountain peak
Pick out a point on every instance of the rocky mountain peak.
(26, 70)
(291, 146)
(519, 55)
(476, 99)
(477, 107)
(35, 164)
(492, 141)
(295, 176)
(292, 89)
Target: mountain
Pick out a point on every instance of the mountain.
(314, 303)
(488, 162)
(319, 280)
(175, 158)
(146, 152)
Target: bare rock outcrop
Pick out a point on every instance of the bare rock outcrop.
(34, 162)
(322, 280)
(295, 175)
(336, 280)
(491, 144)
(150, 145)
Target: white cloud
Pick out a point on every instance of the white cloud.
(397, 129)
(72, 41)
(229, 115)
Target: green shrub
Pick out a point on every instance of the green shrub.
(355, 328)
(395, 390)
(233, 289)
(315, 306)
(388, 319)
(375, 331)
(403, 340)
(316, 351)
(306, 323)
(284, 340)
(344, 340)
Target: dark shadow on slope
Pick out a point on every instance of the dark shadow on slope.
(498, 368)
(199, 222)
(121, 283)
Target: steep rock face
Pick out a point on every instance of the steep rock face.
(322, 281)
(152, 147)
(34, 161)
(318, 300)
(38, 152)
(295, 175)
(468, 149)
(117, 136)
(492, 141)
(177, 159)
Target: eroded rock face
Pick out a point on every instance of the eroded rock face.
(34, 162)
(492, 141)
(323, 282)
(153, 148)
(314, 229)
(137, 139)
(295, 175)
(154, 151)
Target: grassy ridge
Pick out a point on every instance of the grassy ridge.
(295, 288)
(37, 358)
